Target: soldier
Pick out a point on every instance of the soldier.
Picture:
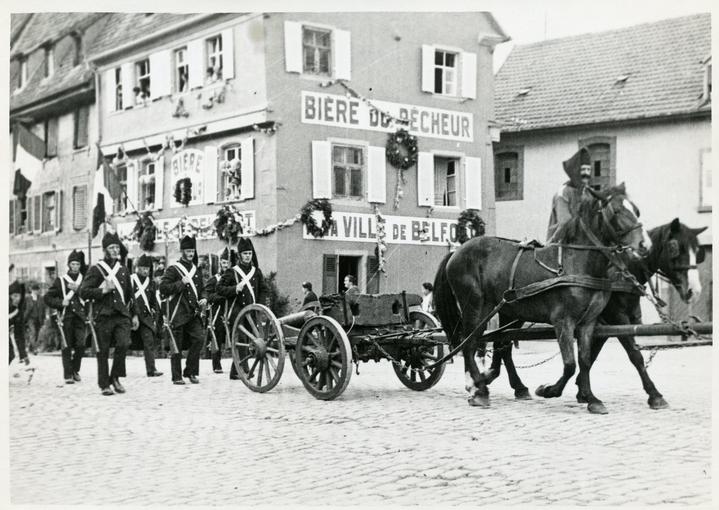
(16, 320)
(70, 315)
(108, 286)
(218, 306)
(565, 203)
(146, 311)
(242, 285)
(182, 285)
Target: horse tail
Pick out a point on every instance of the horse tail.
(445, 304)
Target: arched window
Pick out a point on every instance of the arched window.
(602, 151)
(508, 174)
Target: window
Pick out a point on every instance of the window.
(602, 153)
(146, 180)
(79, 207)
(705, 189)
(508, 174)
(347, 169)
(120, 204)
(51, 137)
(12, 216)
(18, 216)
(142, 82)
(231, 165)
(118, 88)
(214, 59)
(182, 71)
(316, 51)
(48, 211)
(23, 73)
(49, 61)
(81, 118)
(77, 56)
(445, 72)
(445, 181)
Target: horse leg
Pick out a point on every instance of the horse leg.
(656, 400)
(496, 368)
(594, 405)
(565, 337)
(521, 392)
(597, 344)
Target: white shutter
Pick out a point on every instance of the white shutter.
(159, 182)
(210, 176)
(58, 211)
(321, 169)
(127, 77)
(108, 82)
(425, 179)
(132, 193)
(247, 168)
(228, 54)
(293, 47)
(196, 63)
(343, 55)
(160, 74)
(427, 68)
(29, 213)
(469, 75)
(473, 182)
(376, 175)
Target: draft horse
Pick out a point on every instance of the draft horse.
(471, 282)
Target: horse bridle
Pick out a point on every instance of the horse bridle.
(616, 235)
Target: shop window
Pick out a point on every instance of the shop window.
(445, 72)
(602, 153)
(79, 207)
(182, 71)
(80, 118)
(230, 188)
(445, 181)
(51, 125)
(508, 174)
(347, 171)
(316, 51)
(146, 180)
(214, 59)
(705, 191)
(142, 81)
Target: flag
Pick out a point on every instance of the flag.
(29, 151)
(106, 189)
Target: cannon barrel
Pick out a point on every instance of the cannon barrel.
(298, 319)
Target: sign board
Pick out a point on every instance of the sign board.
(349, 112)
(398, 229)
(202, 223)
(188, 163)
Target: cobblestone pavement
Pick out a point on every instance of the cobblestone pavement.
(380, 443)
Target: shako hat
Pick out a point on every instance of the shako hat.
(188, 243)
(110, 238)
(144, 261)
(245, 244)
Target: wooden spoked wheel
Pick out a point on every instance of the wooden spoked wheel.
(258, 348)
(419, 356)
(323, 358)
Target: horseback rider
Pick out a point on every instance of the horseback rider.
(217, 307)
(566, 201)
(71, 314)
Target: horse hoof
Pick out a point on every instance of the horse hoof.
(541, 391)
(478, 401)
(658, 403)
(597, 408)
(581, 399)
(522, 394)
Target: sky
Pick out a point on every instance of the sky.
(527, 21)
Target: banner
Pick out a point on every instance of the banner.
(399, 229)
(203, 225)
(349, 112)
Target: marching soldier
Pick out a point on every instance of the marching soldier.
(182, 285)
(16, 320)
(107, 286)
(146, 310)
(217, 309)
(70, 315)
(241, 285)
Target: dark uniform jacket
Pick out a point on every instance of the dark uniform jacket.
(148, 317)
(54, 296)
(227, 289)
(171, 286)
(215, 300)
(17, 321)
(112, 303)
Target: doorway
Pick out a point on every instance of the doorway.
(347, 265)
(334, 270)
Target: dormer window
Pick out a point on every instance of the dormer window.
(77, 57)
(49, 61)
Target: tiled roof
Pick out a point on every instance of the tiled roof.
(17, 23)
(645, 71)
(50, 26)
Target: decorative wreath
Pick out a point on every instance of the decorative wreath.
(469, 217)
(319, 204)
(183, 191)
(398, 158)
(228, 224)
(145, 232)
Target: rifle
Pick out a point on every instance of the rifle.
(166, 324)
(91, 323)
(59, 317)
(214, 345)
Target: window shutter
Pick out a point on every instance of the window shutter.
(128, 83)
(373, 275)
(343, 55)
(58, 211)
(37, 214)
(469, 75)
(29, 201)
(425, 179)
(19, 220)
(159, 182)
(79, 207)
(473, 182)
(196, 63)
(132, 194)
(247, 168)
(376, 175)
(321, 169)
(210, 174)
(109, 83)
(228, 54)
(12, 216)
(427, 68)
(293, 47)
(329, 274)
(160, 74)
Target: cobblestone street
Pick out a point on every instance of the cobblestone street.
(379, 443)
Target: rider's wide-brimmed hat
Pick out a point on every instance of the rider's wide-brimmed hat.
(573, 165)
